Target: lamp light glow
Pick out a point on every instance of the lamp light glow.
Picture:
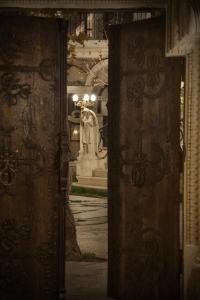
(86, 97)
(75, 98)
(93, 98)
(75, 131)
(83, 101)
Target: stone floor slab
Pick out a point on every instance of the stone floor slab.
(86, 280)
(91, 224)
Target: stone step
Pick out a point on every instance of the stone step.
(100, 173)
(92, 181)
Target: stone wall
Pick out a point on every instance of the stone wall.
(183, 39)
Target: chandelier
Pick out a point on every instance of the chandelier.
(84, 101)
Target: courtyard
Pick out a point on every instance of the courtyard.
(87, 278)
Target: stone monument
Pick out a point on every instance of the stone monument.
(91, 170)
(89, 134)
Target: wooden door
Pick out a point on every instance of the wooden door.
(32, 158)
(143, 165)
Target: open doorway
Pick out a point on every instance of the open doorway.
(88, 42)
(129, 254)
(88, 76)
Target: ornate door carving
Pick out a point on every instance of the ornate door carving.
(32, 154)
(143, 164)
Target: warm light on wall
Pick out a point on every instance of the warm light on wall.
(75, 131)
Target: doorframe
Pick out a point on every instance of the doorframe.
(187, 45)
(63, 163)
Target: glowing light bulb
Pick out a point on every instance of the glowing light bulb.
(86, 97)
(75, 97)
(75, 132)
(93, 98)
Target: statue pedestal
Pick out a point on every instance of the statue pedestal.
(92, 172)
(86, 167)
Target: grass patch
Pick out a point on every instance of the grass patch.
(74, 179)
(87, 192)
(87, 256)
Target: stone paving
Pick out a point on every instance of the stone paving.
(91, 224)
(88, 280)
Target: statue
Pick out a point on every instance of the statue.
(89, 134)
(88, 162)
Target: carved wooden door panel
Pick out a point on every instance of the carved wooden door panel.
(143, 164)
(32, 154)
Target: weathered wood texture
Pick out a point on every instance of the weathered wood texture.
(32, 151)
(144, 156)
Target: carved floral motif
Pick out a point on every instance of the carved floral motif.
(135, 91)
(9, 47)
(8, 167)
(142, 168)
(144, 64)
(12, 90)
(47, 69)
(30, 159)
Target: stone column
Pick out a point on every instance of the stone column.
(192, 174)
